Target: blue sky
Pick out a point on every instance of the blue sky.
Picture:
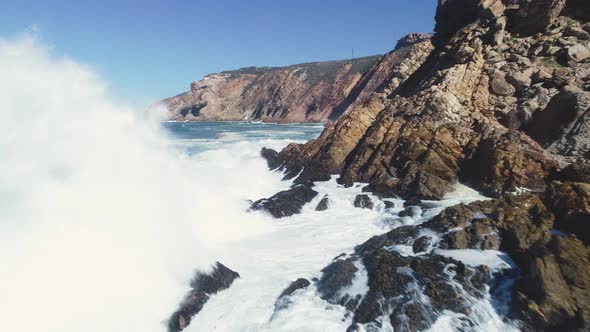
(147, 50)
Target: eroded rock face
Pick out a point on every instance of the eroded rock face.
(316, 91)
(203, 285)
(486, 107)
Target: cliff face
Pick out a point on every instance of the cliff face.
(499, 101)
(308, 92)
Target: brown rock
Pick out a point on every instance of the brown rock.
(501, 87)
(533, 16)
(577, 53)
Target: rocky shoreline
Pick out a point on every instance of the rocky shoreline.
(498, 99)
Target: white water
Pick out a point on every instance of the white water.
(103, 219)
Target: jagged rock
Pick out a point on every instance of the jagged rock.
(389, 276)
(295, 285)
(501, 87)
(286, 203)
(554, 293)
(576, 172)
(577, 32)
(421, 244)
(564, 126)
(520, 80)
(323, 204)
(570, 202)
(411, 39)
(203, 285)
(411, 211)
(533, 16)
(336, 276)
(363, 201)
(389, 204)
(578, 53)
(272, 158)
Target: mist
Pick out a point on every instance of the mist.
(102, 221)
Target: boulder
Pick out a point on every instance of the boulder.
(577, 53)
(203, 285)
(323, 204)
(286, 203)
(500, 86)
(272, 158)
(363, 201)
(534, 16)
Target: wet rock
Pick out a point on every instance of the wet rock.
(401, 235)
(335, 277)
(389, 204)
(399, 281)
(286, 203)
(295, 285)
(363, 201)
(203, 285)
(554, 293)
(410, 211)
(478, 235)
(272, 158)
(323, 204)
(422, 244)
(570, 202)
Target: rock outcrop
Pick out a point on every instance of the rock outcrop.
(317, 91)
(545, 235)
(203, 286)
(497, 100)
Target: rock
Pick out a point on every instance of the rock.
(576, 172)
(577, 32)
(286, 203)
(363, 201)
(389, 276)
(336, 276)
(323, 204)
(553, 294)
(570, 202)
(564, 126)
(219, 279)
(452, 15)
(389, 204)
(272, 158)
(533, 16)
(411, 39)
(411, 211)
(308, 92)
(203, 285)
(422, 244)
(295, 285)
(520, 80)
(577, 53)
(283, 301)
(540, 76)
(501, 87)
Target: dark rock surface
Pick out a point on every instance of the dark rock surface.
(203, 285)
(363, 201)
(323, 204)
(286, 203)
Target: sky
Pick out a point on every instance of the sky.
(152, 49)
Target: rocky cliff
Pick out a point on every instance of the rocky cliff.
(313, 92)
(498, 99)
